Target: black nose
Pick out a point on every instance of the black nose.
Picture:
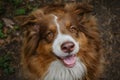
(67, 47)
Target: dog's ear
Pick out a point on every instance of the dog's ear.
(79, 8)
(33, 17)
(30, 23)
(22, 20)
(31, 29)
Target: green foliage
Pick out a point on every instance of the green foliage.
(2, 35)
(16, 27)
(1, 25)
(20, 11)
(5, 64)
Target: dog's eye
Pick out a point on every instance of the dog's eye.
(73, 29)
(49, 36)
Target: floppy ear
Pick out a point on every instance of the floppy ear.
(30, 26)
(28, 23)
(33, 17)
(79, 8)
(30, 31)
(20, 19)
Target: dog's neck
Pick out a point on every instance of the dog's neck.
(57, 71)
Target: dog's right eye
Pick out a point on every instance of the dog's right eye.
(49, 36)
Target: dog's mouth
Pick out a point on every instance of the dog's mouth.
(68, 61)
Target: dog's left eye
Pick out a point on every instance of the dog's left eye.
(73, 29)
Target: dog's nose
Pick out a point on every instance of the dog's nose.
(67, 47)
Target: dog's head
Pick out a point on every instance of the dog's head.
(60, 32)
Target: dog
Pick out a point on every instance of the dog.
(61, 42)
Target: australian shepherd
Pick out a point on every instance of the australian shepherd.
(61, 42)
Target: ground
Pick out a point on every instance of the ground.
(107, 12)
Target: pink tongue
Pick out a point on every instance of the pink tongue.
(69, 61)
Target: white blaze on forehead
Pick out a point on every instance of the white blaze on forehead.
(57, 24)
(60, 39)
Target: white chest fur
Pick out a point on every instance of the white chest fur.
(57, 71)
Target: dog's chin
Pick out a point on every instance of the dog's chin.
(68, 61)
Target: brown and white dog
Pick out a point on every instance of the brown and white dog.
(61, 42)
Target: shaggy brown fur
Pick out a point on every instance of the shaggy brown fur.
(37, 51)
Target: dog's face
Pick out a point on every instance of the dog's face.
(60, 36)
